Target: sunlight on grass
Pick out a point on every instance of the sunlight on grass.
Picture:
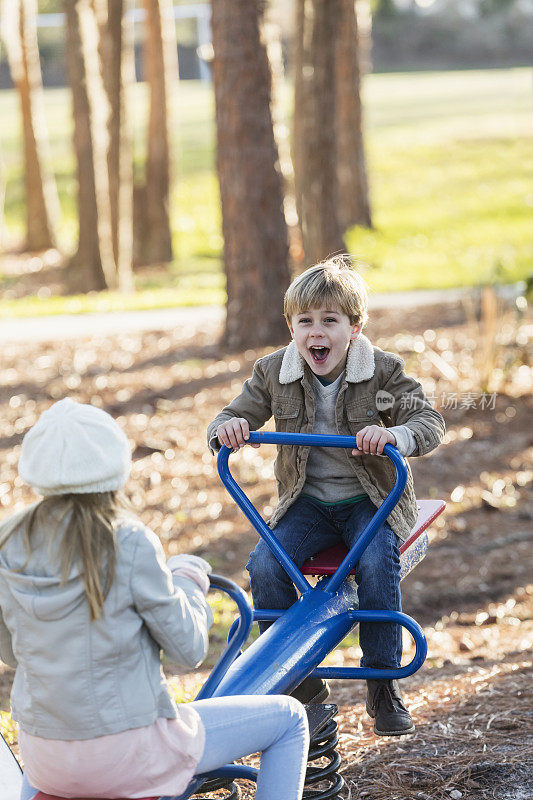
(450, 168)
(8, 728)
(190, 292)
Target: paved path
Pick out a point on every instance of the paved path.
(72, 326)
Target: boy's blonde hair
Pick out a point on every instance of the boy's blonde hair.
(89, 540)
(333, 283)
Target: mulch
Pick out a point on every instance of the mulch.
(471, 701)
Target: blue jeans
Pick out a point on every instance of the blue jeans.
(274, 725)
(27, 792)
(238, 726)
(309, 527)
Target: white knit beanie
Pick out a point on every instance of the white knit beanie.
(75, 448)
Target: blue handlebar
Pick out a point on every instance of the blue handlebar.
(241, 631)
(313, 440)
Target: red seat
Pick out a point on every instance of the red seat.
(43, 796)
(326, 562)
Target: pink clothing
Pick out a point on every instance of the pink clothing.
(158, 759)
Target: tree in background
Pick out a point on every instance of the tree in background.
(253, 223)
(94, 265)
(2, 196)
(41, 200)
(271, 35)
(354, 204)
(153, 238)
(315, 136)
(116, 58)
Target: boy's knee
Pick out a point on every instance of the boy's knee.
(262, 564)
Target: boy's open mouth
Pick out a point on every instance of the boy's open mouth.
(319, 354)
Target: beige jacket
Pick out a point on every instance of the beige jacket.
(375, 391)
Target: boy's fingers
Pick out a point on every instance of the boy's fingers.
(232, 441)
(245, 430)
(233, 436)
(374, 442)
(221, 436)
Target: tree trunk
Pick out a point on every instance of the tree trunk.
(299, 108)
(316, 161)
(85, 270)
(117, 71)
(271, 35)
(153, 238)
(2, 197)
(253, 223)
(354, 205)
(97, 61)
(42, 204)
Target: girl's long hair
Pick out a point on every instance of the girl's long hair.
(89, 540)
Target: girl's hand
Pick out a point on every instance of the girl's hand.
(187, 559)
(372, 439)
(234, 433)
(193, 567)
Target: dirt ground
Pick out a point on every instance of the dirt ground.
(473, 593)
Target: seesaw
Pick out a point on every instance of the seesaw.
(300, 638)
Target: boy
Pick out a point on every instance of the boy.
(330, 379)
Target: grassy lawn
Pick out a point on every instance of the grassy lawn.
(450, 165)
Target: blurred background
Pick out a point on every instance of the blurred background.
(401, 134)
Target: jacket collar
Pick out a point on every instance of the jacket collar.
(360, 364)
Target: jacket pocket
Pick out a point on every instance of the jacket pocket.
(363, 412)
(286, 412)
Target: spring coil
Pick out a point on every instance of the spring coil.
(234, 791)
(323, 745)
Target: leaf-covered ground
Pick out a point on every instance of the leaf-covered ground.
(472, 594)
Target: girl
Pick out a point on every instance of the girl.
(86, 603)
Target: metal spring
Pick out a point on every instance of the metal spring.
(214, 785)
(323, 745)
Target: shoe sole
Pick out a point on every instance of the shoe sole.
(388, 733)
(393, 733)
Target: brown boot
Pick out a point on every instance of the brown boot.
(384, 704)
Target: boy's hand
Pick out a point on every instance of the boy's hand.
(372, 440)
(234, 433)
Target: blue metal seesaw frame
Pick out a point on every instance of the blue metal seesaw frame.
(302, 636)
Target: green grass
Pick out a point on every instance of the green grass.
(450, 166)
(8, 727)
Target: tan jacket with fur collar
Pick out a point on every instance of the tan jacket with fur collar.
(375, 391)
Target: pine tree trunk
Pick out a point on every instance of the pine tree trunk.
(41, 200)
(253, 223)
(117, 71)
(271, 35)
(316, 163)
(153, 238)
(85, 270)
(354, 205)
(2, 196)
(299, 108)
(98, 63)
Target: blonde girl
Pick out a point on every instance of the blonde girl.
(87, 602)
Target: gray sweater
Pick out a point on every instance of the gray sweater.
(329, 475)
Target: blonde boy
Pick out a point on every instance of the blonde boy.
(330, 379)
